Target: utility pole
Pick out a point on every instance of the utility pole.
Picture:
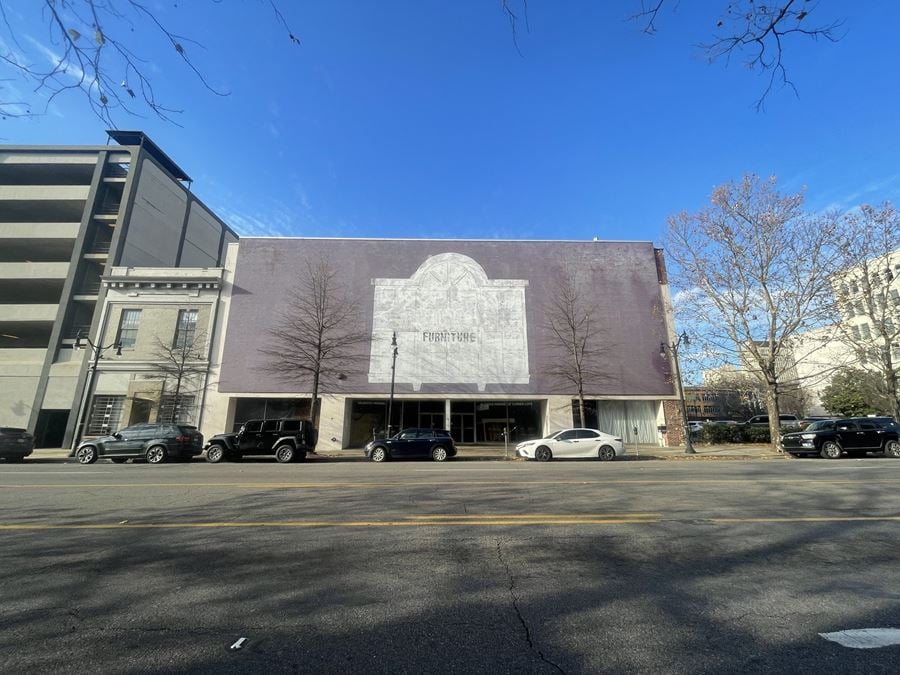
(393, 371)
(673, 349)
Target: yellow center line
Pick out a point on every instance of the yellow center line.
(486, 520)
(455, 483)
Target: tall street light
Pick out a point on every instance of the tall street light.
(98, 350)
(673, 349)
(393, 369)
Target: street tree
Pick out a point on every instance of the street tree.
(855, 392)
(573, 335)
(183, 369)
(756, 268)
(318, 338)
(867, 292)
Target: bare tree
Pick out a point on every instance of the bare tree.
(318, 337)
(89, 48)
(867, 290)
(573, 336)
(183, 368)
(756, 32)
(757, 268)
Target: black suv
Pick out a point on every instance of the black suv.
(154, 442)
(434, 443)
(850, 435)
(287, 438)
(15, 444)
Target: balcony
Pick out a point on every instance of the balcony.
(44, 193)
(28, 313)
(34, 270)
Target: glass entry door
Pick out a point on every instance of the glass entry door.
(429, 420)
(462, 427)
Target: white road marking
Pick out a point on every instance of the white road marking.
(57, 473)
(865, 638)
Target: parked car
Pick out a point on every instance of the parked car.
(15, 444)
(695, 426)
(571, 443)
(852, 436)
(784, 421)
(155, 443)
(289, 439)
(410, 443)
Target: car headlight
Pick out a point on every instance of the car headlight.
(808, 437)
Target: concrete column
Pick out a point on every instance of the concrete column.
(447, 414)
(331, 422)
(558, 414)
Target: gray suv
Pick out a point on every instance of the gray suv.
(155, 443)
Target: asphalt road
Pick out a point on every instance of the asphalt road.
(469, 567)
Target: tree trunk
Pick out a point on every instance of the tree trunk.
(315, 398)
(893, 393)
(581, 421)
(774, 414)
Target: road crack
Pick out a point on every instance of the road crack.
(515, 603)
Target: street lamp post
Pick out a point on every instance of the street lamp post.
(393, 369)
(673, 349)
(98, 350)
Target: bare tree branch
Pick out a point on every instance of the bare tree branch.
(318, 338)
(757, 32)
(867, 293)
(89, 50)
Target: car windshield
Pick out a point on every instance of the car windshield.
(821, 425)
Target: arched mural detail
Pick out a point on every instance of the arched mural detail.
(454, 325)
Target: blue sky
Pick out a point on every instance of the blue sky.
(402, 119)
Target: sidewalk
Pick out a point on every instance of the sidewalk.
(634, 453)
(497, 453)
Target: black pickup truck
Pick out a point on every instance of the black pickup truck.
(288, 439)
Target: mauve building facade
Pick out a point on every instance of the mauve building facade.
(474, 351)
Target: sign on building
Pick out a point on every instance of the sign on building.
(453, 326)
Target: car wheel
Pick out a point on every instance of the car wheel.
(378, 455)
(606, 453)
(892, 449)
(119, 460)
(215, 453)
(156, 454)
(543, 454)
(284, 453)
(830, 450)
(86, 454)
(439, 453)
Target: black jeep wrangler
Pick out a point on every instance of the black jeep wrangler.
(287, 439)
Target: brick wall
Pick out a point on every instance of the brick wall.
(674, 425)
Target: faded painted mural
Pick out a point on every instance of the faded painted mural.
(453, 326)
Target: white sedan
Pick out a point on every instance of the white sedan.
(573, 443)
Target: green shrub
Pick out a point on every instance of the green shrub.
(717, 433)
(757, 434)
